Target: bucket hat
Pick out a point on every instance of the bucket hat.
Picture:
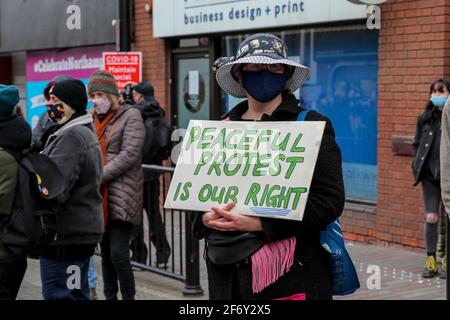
(260, 48)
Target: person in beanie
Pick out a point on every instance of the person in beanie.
(241, 248)
(143, 95)
(15, 137)
(45, 122)
(120, 130)
(73, 146)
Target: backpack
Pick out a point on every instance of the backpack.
(157, 143)
(32, 223)
(344, 278)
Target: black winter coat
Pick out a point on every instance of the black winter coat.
(426, 146)
(150, 108)
(325, 204)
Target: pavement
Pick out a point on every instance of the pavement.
(385, 273)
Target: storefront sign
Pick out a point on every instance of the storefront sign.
(43, 66)
(264, 168)
(42, 24)
(126, 67)
(177, 18)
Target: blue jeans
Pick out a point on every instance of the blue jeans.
(65, 280)
(92, 274)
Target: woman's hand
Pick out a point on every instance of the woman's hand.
(222, 219)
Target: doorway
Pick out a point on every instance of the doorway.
(191, 88)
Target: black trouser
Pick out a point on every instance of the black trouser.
(156, 227)
(116, 265)
(11, 276)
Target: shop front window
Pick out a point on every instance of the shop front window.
(342, 86)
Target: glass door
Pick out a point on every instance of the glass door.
(192, 76)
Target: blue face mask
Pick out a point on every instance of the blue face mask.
(439, 102)
(55, 112)
(263, 85)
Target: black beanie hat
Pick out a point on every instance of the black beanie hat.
(54, 81)
(73, 93)
(145, 88)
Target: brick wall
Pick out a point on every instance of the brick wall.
(155, 58)
(414, 51)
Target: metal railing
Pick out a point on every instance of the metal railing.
(184, 261)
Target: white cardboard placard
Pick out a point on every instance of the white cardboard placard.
(264, 167)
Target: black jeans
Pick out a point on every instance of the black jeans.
(116, 265)
(11, 276)
(156, 226)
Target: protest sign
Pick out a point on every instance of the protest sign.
(265, 168)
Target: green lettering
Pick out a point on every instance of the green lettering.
(217, 196)
(283, 198)
(207, 136)
(280, 145)
(260, 165)
(205, 158)
(230, 136)
(293, 162)
(194, 134)
(177, 191)
(231, 195)
(185, 195)
(202, 196)
(218, 161)
(271, 200)
(220, 139)
(275, 172)
(264, 136)
(249, 156)
(295, 147)
(298, 192)
(246, 139)
(251, 195)
(226, 168)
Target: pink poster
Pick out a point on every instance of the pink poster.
(79, 63)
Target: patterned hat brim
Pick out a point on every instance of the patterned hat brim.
(229, 84)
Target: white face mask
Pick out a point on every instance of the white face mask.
(101, 105)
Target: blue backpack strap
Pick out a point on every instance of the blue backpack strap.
(302, 115)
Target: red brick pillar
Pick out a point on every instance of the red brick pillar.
(155, 57)
(414, 51)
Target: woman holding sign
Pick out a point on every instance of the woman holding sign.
(265, 258)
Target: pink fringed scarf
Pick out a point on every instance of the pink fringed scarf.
(271, 262)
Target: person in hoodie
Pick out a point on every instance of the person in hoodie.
(120, 131)
(148, 106)
(73, 146)
(15, 137)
